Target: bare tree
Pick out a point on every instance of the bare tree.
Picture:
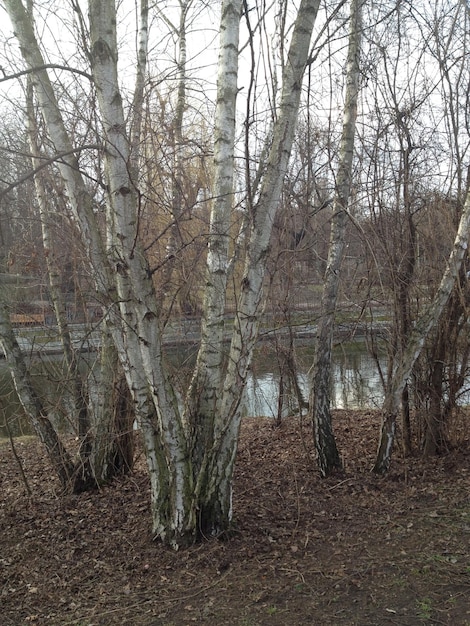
(405, 165)
(191, 457)
(90, 470)
(328, 456)
(416, 341)
(220, 451)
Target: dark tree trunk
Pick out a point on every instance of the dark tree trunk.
(387, 437)
(407, 446)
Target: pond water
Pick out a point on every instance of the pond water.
(356, 383)
(356, 380)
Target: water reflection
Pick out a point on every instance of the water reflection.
(49, 378)
(356, 381)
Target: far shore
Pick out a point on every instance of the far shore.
(180, 332)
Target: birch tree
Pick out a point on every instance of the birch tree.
(218, 464)
(328, 456)
(190, 456)
(418, 106)
(103, 452)
(207, 379)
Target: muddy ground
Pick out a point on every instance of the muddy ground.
(351, 549)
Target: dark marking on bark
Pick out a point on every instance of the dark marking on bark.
(121, 268)
(100, 50)
(149, 316)
(118, 128)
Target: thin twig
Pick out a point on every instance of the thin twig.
(17, 458)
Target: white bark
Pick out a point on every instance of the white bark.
(328, 457)
(186, 500)
(81, 204)
(137, 298)
(121, 273)
(135, 331)
(207, 379)
(220, 460)
(249, 302)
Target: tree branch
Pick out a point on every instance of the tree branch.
(40, 68)
(32, 173)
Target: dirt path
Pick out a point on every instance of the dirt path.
(353, 549)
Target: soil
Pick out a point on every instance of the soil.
(350, 549)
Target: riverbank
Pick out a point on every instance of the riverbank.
(353, 549)
(34, 340)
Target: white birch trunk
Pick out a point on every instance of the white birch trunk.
(206, 383)
(327, 452)
(173, 517)
(80, 201)
(216, 502)
(124, 275)
(184, 502)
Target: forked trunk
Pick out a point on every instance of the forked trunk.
(214, 480)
